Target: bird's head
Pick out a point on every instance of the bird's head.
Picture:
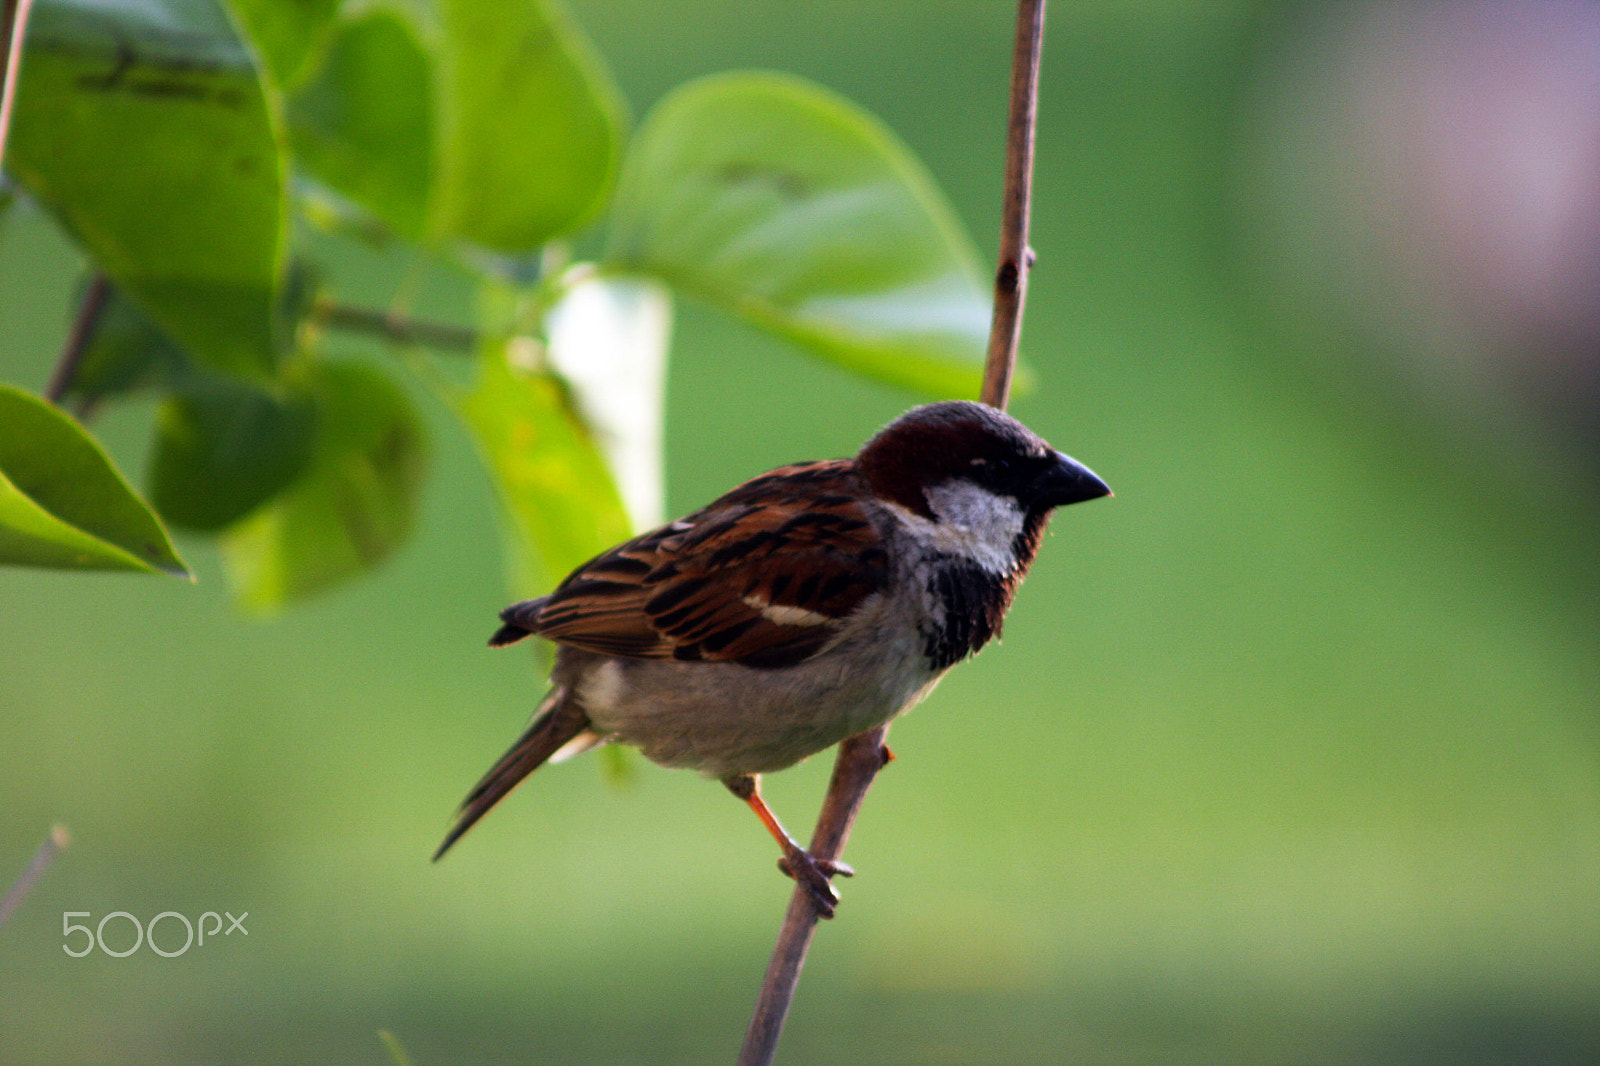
(973, 478)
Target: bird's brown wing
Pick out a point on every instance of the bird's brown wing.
(763, 576)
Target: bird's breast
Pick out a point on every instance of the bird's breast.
(726, 718)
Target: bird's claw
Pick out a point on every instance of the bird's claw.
(814, 873)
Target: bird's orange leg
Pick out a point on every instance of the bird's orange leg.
(797, 862)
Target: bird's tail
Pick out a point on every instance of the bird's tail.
(557, 722)
(521, 620)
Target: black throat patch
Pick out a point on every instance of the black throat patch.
(975, 601)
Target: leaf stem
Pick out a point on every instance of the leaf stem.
(861, 757)
(77, 343)
(13, 27)
(397, 328)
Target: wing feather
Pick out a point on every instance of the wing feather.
(764, 576)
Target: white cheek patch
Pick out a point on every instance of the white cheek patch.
(785, 615)
(973, 523)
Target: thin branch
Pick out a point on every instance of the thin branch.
(1016, 258)
(861, 757)
(396, 328)
(400, 329)
(13, 27)
(77, 343)
(53, 845)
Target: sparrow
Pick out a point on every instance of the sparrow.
(807, 605)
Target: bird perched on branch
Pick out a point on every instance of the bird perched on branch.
(807, 605)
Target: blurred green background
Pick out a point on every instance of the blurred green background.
(1290, 754)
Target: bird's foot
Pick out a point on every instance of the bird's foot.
(814, 874)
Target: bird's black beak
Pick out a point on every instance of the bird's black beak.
(1068, 481)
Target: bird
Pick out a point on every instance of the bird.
(807, 605)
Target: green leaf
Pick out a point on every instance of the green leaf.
(125, 351)
(143, 125)
(530, 124)
(351, 507)
(62, 502)
(560, 504)
(792, 207)
(364, 123)
(284, 31)
(487, 121)
(224, 447)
